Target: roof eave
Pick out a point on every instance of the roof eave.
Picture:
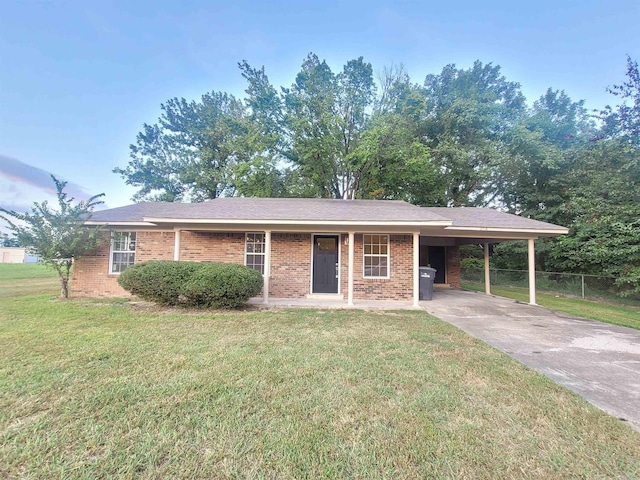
(223, 221)
(534, 231)
(120, 224)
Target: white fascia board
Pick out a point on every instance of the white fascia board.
(121, 224)
(193, 221)
(536, 231)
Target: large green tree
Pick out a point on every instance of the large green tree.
(393, 160)
(192, 152)
(57, 237)
(583, 176)
(623, 121)
(469, 115)
(325, 116)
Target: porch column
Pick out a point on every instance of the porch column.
(532, 272)
(267, 265)
(487, 272)
(416, 269)
(176, 245)
(351, 260)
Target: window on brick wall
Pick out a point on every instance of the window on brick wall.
(123, 251)
(254, 251)
(376, 256)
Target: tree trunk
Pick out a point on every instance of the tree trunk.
(64, 282)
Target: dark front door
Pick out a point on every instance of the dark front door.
(437, 260)
(325, 264)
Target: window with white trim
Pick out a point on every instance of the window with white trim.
(254, 251)
(123, 251)
(376, 256)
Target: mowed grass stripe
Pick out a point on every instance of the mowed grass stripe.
(27, 279)
(92, 389)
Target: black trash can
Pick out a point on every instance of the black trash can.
(427, 276)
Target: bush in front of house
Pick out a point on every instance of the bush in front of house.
(193, 284)
(158, 281)
(222, 285)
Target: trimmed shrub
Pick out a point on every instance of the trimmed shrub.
(159, 281)
(222, 285)
(194, 284)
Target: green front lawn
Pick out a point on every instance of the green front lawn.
(26, 278)
(627, 316)
(93, 389)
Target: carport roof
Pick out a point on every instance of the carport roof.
(474, 217)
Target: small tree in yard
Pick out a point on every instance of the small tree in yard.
(57, 237)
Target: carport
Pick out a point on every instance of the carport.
(480, 226)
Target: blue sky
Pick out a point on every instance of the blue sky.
(78, 79)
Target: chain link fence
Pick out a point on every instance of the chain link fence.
(592, 287)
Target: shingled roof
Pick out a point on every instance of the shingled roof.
(270, 209)
(478, 218)
(308, 211)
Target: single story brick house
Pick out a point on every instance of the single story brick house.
(343, 249)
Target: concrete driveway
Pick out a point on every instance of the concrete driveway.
(598, 361)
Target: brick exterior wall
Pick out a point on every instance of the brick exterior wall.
(154, 246)
(399, 285)
(290, 263)
(453, 267)
(212, 247)
(91, 276)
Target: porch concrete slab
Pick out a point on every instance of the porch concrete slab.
(333, 304)
(598, 361)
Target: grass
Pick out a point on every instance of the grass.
(103, 389)
(626, 316)
(26, 278)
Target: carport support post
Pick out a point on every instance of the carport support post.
(532, 272)
(416, 269)
(176, 245)
(267, 265)
(487, 272)
(351, 258)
